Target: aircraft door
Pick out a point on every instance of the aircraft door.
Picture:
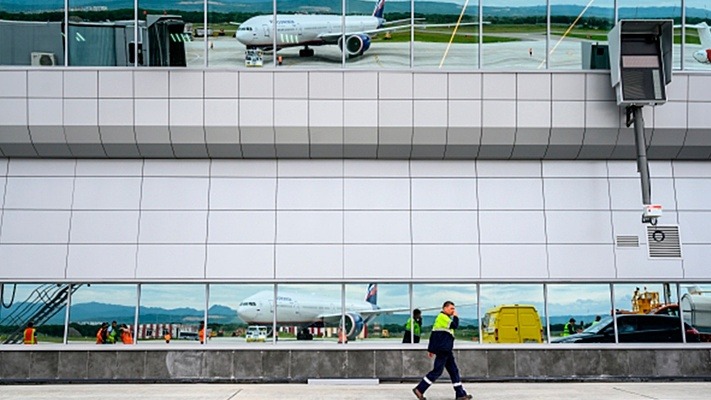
(267, 30)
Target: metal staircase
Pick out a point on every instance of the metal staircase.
(42, 304)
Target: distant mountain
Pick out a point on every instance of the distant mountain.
(99, 312)
(355, 7)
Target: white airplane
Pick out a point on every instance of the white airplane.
(295, 309)
(315, 30)
(703, 55)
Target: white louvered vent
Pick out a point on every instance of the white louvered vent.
(663, 241)
(624, 241)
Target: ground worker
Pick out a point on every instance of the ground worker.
(569, 328)
(441, 345)
(167, 336)
(112, 334)
(101, 333)
(201, 332)
(413, 327)
(30, 335)
(126, 336)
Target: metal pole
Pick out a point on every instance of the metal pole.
(614, 311)
(135, 315)
(545, 309)
(478, 311)
(207, 306)
(681, 313)
(642, 164)
(67, 314)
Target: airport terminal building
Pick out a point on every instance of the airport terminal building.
(161, 182)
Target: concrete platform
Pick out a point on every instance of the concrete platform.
(488, 391)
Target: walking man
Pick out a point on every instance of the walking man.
(441, 345)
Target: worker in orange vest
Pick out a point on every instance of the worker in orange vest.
(126, 336)
(201, 332)
(101, 333)
(30, 336)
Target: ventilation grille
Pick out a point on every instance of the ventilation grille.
(627, 241)
(663, 242)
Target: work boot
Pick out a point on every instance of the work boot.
(419, 395)
(467, 397)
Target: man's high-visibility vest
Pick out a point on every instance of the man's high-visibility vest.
(30, 337)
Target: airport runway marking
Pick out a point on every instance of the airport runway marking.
(377, 60)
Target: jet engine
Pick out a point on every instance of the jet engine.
(354, 325)
(355, 44)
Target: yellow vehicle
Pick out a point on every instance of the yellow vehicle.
(512, 323)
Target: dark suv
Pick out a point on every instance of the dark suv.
(634, 328)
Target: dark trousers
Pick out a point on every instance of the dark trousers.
(443, 360)
(406, 338)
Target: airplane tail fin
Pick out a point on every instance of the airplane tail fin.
(379, 9)
(372, 295)
(704, 35)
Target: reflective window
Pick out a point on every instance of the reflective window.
(377, 34)
(579, 34)
(32, 33)
(224, 21)
(308, 311)
(643, 315)
(446, 35)
(99, 35)
(512, 313)
(662, 9)
(514, 35)
(697, 49)
(172, 312)
(241, 312)
(376, 312)
(696, 308)
(573, 308)
(39, 307)
(429, 298)
(162, 36)
(102, 312)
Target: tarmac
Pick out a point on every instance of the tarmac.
(383, 391)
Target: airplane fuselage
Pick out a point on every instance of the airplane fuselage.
(292, 309)
(301, 30)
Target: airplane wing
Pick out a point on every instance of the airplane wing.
(335, 317)
(333, 37)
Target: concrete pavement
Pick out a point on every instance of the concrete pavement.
(384, 391)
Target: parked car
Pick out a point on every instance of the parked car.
(634, 328)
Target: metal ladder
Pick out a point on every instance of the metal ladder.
(43, 303)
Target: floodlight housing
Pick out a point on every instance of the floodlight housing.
(641, 60)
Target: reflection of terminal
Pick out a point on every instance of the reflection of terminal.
(103, 44)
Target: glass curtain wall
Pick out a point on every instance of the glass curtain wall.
(381, 49)
(241, 312)
(446, 35)
(662, 9)
(94, 305)
(171, 312)
(512, 313)
(32, 33)
(576, 307)
(514, 34)
(362, 299)
(429, 299)
(43, 305)
(308, 311)
(697, 41)
(578, 37)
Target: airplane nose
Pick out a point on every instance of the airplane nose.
(247, 313)
(244, 36)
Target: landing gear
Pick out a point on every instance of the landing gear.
(306, 52)
(304, 333)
